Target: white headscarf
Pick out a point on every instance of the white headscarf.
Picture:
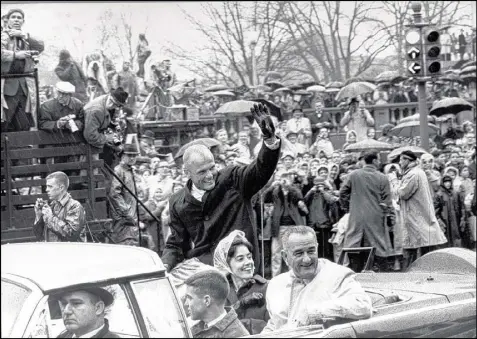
(222, 250)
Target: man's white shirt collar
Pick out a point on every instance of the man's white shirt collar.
(216, 320)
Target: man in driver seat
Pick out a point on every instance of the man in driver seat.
(314, 289)
(83, 313)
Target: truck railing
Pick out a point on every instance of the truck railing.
(26, 159)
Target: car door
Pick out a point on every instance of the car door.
(160, 308)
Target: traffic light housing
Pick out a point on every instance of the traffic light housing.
(432, 52)
(413, 52)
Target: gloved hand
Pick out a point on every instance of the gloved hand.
(262, 117)
(254, 298)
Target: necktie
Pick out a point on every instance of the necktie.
(297, 286)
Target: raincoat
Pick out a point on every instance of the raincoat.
(365, 190)
(358, 121)
(420, 226)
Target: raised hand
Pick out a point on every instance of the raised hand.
(262, 117)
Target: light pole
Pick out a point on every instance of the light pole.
(253, 45)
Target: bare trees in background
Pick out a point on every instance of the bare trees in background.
(325, 40)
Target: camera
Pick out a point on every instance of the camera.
(41, 203)
(71, 123)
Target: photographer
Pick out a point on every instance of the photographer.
(101, 128)
(64, 112)
(64, 218)
(357, 119)
(19, 55)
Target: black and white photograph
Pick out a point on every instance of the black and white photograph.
(228, 169)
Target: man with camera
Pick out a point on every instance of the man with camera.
(64, 112)
(19, 55)
(64, 218)
(101, 128)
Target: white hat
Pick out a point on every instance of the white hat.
(65, 87)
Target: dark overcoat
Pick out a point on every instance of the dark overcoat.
(197, 227)
(365, 189)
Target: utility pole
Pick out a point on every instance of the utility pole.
(423, 53)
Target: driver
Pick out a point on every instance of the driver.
(313, 289)
(83, 313)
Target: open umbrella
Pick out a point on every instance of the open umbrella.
(273, 74)
(316, 88)
(215, 88)
(418, 151)
(282, 89)
(410, 129)
(369, 144)
(301, 92)
(308, 83)
(416, 117)
(451, 77)
(263, 88)
(354, 89)
(295, 87)
(237, 107)
(450, 106)
(332, 90)
(209, 142)
(387, 76)
(467, 69)
(223, 94)
(274, 84)
(334, 84)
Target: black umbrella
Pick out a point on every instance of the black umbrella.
(275, 110)
(295, 87)
(450, 106)
(308, 83)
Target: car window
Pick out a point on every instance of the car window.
(120, 317)
(160, 310)
(13, 298)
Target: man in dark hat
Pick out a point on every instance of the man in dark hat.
(367, 195)
(417, 211)
(83, 313)
(123, 205)
(99, 129)
(70, 71)
(146, 143)
(19, 52)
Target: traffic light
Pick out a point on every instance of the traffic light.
(413, 52)
(432, 48)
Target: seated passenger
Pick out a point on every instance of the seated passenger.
(233, 257)
(83, 313)
(206, 293)
(314, 288)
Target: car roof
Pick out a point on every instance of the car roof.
(61, 264)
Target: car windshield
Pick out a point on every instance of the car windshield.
(13, 298)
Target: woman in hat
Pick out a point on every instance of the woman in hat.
(351, 138)
(233, 257)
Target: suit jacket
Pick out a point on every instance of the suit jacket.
(51, 111)
(8, 47)
(228, 327)
(97, 120)
(104, 333)
(197, 227)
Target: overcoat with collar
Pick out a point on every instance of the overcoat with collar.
(197, 227)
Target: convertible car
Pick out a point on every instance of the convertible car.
(435, 298)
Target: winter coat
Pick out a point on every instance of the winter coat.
(97, 120)
(71, 72)
(450, 208)
(359, 121)
(127, 80)
(320, 205)
(253, 317)
(104, 333)
(365, 189)
(51, 111)
(323, 118)
(11, 86)
(324, 145)
(420, 226)
(197, 227)
(228, 327)
(123, 205)
(275, 195)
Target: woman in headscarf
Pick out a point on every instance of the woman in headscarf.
(466, 185)
(350, 138)
(393, 172)
(450, 209)
(433, 176)
(233, 257)
(333, 170)
(453, 172)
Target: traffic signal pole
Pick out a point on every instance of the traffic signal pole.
(421, 82)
